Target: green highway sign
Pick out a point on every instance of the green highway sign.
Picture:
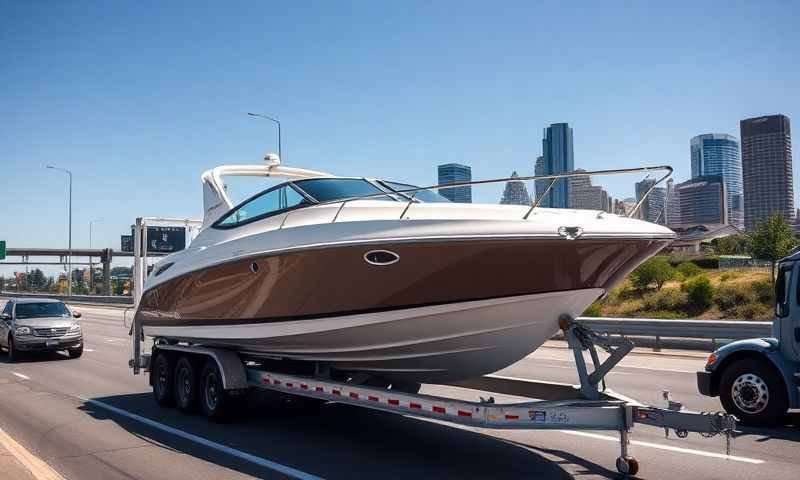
(2, 249)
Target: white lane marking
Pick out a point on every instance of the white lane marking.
(88, 350)
(24, 377)
(207, 443)
(37, 468)
(659, 446)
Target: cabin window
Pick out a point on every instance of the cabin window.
(264, 205)
(423, 195)
(332, 189)
(782, 290)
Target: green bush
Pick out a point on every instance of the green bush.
(667, 299)
(656, 270)
(751, 311)
(730, 296)
(689, 269)
(594, 310)
(667, 314)
(764, 291)
(707, 262)
(699, 291)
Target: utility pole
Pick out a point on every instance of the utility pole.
(91, 268)
(69, 245)
(280, 155)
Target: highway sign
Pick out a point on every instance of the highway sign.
(2, 249)
(159, 240)
(126, 243)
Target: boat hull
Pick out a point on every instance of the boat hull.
(446, 310)
(423, 344)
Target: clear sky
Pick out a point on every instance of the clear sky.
(138, 98)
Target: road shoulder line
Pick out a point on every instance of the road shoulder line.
(37, 467)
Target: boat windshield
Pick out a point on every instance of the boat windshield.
(423, 195)
(331, 189)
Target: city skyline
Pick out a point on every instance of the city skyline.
(718, 154)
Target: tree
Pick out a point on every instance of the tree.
(731, 245)
(772, 240)
(37, 280)
(655, 270)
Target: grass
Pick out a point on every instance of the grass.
(740, 294)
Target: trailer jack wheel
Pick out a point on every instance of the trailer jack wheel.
(627, 465)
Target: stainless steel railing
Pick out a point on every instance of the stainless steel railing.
(553, 180)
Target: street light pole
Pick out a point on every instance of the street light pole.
(91, 268)
(69, 245)
(279, 129)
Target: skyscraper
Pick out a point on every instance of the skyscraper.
(456, 173)
(767, 168)
(718, 154)
(673, 211)
(557, 157)
(584, 195)
(704, 200)
(653, 207)
(539, 185)
(515, 193)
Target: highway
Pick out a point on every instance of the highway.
(90, 418)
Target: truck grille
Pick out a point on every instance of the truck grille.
(50, 332)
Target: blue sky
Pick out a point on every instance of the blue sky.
(138, 98)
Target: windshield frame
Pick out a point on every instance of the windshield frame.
(309, 201)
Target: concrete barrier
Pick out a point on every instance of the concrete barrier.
(85, 299)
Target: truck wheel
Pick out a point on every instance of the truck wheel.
(218, 405)
(751, 390)
(162, 380)
(186, 384)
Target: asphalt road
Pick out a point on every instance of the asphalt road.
(90, 418)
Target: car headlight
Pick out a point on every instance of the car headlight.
(75, 327)
(23, 331)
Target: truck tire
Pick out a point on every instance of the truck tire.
(217, 404)
(186, 384)
(162, 380)
(754, 392)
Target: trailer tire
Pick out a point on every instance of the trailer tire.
(162, 380)
(217, 404)
(753, 391)
(186, 384)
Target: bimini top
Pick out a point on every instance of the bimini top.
(305, 188)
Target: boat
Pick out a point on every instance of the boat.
(383, 278)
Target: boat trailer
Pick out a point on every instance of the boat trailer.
(547, 405)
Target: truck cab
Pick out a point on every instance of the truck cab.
(758, 379)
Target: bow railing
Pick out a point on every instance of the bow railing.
(553, 180)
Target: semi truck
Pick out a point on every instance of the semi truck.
(758, 379)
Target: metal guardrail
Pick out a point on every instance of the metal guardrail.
(88, 299)
(717, 331)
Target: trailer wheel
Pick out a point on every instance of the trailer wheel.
(753, 392)
(186, 384)
(162, 380)
(627, 465)
(218, 405)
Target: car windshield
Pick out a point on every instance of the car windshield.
(330, 189)
(38, 310)
(424, 195)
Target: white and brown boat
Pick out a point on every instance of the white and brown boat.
(363, 275)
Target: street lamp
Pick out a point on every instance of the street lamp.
(69, 246)
(279, 129)
(91, 268)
